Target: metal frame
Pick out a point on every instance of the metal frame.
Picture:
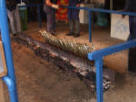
(98, 55)
(10, 79)
(90, 10)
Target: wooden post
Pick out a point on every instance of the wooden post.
(1, 92)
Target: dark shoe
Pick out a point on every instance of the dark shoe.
(19, 33)
(14, 35)
(53, 33)
(70, 34)
(76, 35)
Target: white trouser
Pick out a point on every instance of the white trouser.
(14, 20)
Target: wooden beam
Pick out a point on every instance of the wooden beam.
(2, 99)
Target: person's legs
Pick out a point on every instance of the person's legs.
(51, 22)
(76, 23)
(17, 18)
(11, 21)
(132, 60)
(71, 27)
(71, 23)
(132, 25)
(132, 51)
(77, 28)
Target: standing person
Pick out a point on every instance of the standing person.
(131, 7)
(73, 17)
(13, 15)
(50, 10)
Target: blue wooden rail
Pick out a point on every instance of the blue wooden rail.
(90, 10)
(98, 55)
(10, 79)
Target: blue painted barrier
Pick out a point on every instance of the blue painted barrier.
(102, 10)
(98, 55)
(10, 79)
(90, 10)
(11, 88)
(110, 50)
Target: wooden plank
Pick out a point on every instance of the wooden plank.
(3, 67)
(2, 99)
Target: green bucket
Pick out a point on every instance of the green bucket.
(102, 20)
(23, 17)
